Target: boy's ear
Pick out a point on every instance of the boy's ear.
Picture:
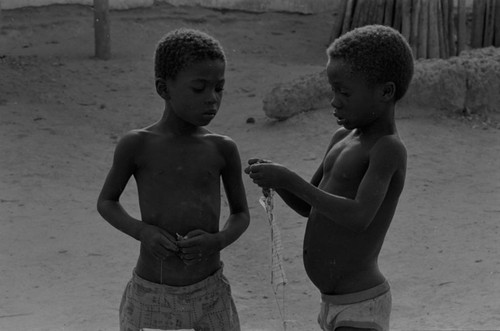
(388, 91)
(161, 88)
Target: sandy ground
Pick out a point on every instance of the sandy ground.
(64, 268)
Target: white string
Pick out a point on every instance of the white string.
(278, 277)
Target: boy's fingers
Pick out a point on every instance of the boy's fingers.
(169, 245)
(253, 161)
(187, 243)
(190, 239)
(193, 250)
(163, 253)
(194, 233)
(166, 234)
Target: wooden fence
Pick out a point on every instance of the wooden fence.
(433, 28)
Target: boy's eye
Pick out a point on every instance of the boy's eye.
(197, 89)
(219, 89)
(340, 91)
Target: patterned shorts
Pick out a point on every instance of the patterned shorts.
(370, 309)
(206, 305)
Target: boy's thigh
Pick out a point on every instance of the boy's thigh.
(219, 310)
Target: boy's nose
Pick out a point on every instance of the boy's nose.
(213, 97)
(334, 102)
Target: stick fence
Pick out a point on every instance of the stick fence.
(433, 28)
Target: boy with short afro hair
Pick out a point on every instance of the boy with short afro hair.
(178, 166)
(352, 197)
(181, 47)
(378, 53)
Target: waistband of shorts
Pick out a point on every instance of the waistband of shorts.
(201, 285)
(350, 298)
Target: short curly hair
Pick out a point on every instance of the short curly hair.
(379, 53)
(182, 47)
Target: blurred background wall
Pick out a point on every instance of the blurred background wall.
(299, 6)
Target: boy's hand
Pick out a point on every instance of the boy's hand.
(267, 174)
(159, 242)
(255, 161)
(196, 246)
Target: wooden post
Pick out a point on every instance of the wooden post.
(445, 26)
(478, 10)
(424, 25)
(338, 20)
(406, 19)
(496, 42)
(380, 11)
(346, 25)
(442, 33)
(356, 15)
(433, 45)
(461, 28)
(389, 13)
(101, 29)
(398, 15)
(368, 13)
(489, 24)
(452, 50)
(415, 18)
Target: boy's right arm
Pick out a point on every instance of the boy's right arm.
(297, 204)
(108, 203)
(300, 206)
(158, 241)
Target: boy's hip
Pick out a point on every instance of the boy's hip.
(370, 308)
(350, 298)
(207, 304)
(144, 287)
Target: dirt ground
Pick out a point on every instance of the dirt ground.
(61, 112)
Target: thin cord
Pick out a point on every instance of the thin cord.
(282, 312)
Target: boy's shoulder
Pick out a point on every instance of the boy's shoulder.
(134, 141)
(389, 148)
(390, 142)
(216, 137)
(133, 137)
(337, 136)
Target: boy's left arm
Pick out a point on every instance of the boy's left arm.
(386, 158)
(239, 216)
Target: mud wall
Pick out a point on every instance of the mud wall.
(468, 82)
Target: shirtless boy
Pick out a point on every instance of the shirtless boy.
(351, 199)
(178, 165)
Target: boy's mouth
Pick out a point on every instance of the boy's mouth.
(210, 113)
(340, 120)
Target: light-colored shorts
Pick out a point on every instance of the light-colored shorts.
(205, 306)
(369, 309)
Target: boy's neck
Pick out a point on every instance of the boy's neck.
(171, 123)
(383, 125)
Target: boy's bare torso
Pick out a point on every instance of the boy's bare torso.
(337, 259)
(178, 180)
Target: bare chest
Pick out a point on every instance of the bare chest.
(345, 163)
(190, 164)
